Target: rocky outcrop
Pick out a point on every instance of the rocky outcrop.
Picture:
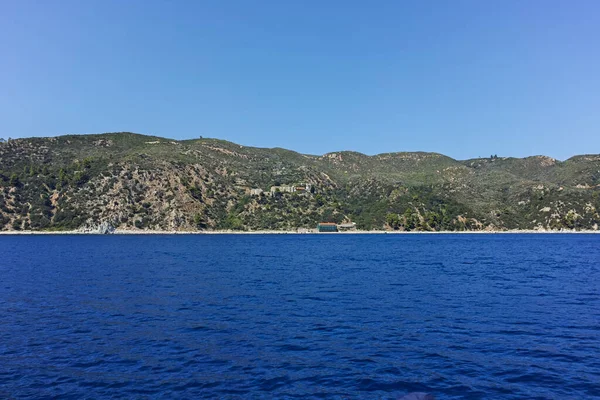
(103, 228)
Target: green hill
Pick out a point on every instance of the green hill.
(133, 181)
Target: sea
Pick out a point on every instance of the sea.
(459, 316)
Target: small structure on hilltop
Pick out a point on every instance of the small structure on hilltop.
(327, 227)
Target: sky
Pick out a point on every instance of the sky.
(463, 78)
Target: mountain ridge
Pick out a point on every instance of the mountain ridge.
(283, 148)
(135, 181)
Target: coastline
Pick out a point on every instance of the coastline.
(274, 232)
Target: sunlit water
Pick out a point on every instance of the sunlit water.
(284, 316)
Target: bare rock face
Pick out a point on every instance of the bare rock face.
(104, 228)
(103, 143)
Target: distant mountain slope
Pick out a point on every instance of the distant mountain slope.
(132, 181)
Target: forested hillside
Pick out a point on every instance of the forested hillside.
(132, 181)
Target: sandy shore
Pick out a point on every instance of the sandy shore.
(358, 232)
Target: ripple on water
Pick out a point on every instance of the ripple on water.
(352, 316)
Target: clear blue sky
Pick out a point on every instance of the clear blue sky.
(463, 78)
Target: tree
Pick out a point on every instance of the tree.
(327, 215)
(80, 178)
(14, 180)
(319, 199)
(570, 219)
(410, 219)
(596, 200)
(433, 219)
(196, 192)
(199, 221)
(62, 177)
(233, 222)
(393, 220)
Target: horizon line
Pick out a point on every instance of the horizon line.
(201, 137)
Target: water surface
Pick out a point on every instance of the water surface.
(285, 316)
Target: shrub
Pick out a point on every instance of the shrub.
(14, 180)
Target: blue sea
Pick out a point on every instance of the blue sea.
(300, 316)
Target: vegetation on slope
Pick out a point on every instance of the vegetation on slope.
(133, 181)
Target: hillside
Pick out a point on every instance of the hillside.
(132, 181)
